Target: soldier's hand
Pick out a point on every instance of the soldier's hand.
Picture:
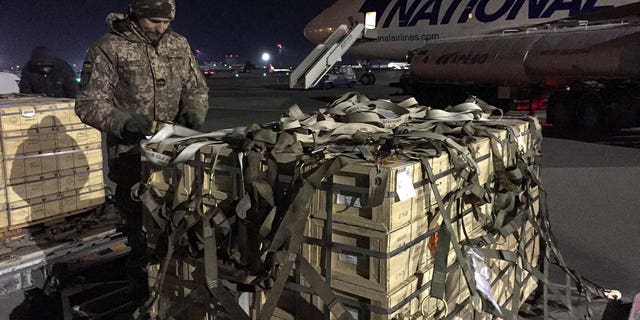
(137, 126)
(190, 120)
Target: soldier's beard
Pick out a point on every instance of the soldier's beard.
(153, 35)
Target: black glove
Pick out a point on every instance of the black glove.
(136, 127)
(190, 120)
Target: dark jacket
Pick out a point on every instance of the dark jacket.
(59, 82)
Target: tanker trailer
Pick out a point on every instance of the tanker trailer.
(587, 74)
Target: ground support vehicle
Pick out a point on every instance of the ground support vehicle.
(344, 76)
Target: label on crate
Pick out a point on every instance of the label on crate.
(348, 258)
(28, 113)
(482, 275)
(404, 184)
(351, 201)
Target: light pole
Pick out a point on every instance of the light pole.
(266, 57)
(279, 45)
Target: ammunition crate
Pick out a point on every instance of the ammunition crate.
(51, 162)
(349, 190)
(378, 261)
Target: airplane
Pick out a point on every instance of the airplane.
(405, 25)
(273, 69)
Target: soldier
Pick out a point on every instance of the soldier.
(139, 72)
(46, 74)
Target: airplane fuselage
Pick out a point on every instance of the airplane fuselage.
(404, 25)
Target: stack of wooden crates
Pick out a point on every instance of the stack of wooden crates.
(379, 260)
(51, 163)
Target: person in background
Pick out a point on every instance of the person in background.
(139, 72)
(48, 75)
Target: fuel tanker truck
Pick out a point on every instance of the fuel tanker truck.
(585, 74)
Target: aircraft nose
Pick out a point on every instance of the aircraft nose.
(319, 28)
(325, 23)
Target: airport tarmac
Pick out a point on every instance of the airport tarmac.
(592, 187)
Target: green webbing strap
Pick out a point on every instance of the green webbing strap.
(550, 243)
(437, 289)
(500, 169)
(173, 237)
(323, 290)
(292, 228)
(156, 209)
(216, 289)
(550, 249)
(438, 282)
(505, 255)
(210, 262)
(517, 286)
(296, 211)
(516, 223)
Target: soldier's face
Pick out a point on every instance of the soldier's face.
(154, 27)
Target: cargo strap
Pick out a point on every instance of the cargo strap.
(446, 238)
(292, 228)
(174, 233)
(163, 138)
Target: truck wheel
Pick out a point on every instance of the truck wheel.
(561, 111)
(591, 114)
(368, 79)
(328, 85)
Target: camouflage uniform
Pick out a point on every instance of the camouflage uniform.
(126, 73)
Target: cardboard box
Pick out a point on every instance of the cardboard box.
(51, 162)
(36, 113)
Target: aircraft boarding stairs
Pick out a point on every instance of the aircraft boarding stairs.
(326, 54)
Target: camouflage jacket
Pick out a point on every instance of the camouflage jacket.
(125, 73)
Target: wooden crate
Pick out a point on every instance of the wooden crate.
(376, 274)
(351, 185)
(409, 301)
(510, 128)
(4, 219)
(350, 189)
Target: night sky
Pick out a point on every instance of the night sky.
(216, 27)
